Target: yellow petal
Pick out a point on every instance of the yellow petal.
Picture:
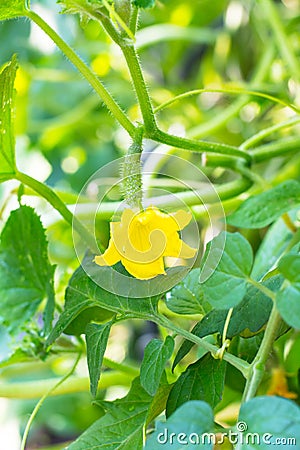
(135, 241)
(182, 218)
(144, 271)
(109, 257)
(178, 248)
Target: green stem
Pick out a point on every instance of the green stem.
(257, 369)
(41, 401)
(225, 90)
(48, 194)
(282, 41)
(274, 149)
(140, 87)
(121, 367)
(238, 363)
(198, 146)
(134, 16)
(250, 142)
(263, 289)
(86, 72)
(37, 388)
(225, 191)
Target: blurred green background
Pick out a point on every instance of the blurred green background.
(64, 134)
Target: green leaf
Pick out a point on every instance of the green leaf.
(203, 380)
(247, 318)
(96, 342)
(12, 8)
(232, 254)
(262, 209)
(82, 293)
(270, 418)
(184, 428)
(156, 355)
(121, 427)
(7, 139)
(159, 401)
(289, 266)
(26, 276)
(288, 299)
(274, 243)
(93, 314)
(144, 3)
(18, 356)
(187, 296)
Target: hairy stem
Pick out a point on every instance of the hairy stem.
(140, 87)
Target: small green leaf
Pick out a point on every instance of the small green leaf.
(203, 380)
(187, 296)
(7, 139)
(156, 355)
(18, 356)
(96, 342)
(12, 8)
(144, 3)
(121, 427)
(274, 243)
(26, 276)
(184, 428)
(248, 317)
(232, 262)
(262, 209)
(270, 419)
(288, 299)
(82, 293)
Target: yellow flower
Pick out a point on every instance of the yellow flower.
(141, 241)
(279, 385)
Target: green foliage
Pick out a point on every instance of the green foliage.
(273, 245)
(276, 418)
(83, 293)
(192, 418)
(121, 426)
(187, 296)
(13, 8)
(262, 209)
(203, 380)
(232, 254)
(96, 342)
(7, 140)
(288, 299)
(26, 276)
(157, 354)
(247, 319)
(144, 3)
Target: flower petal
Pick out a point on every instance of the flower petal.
(144, 271)
(182, 218)
(109, 257)
(178, 248)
